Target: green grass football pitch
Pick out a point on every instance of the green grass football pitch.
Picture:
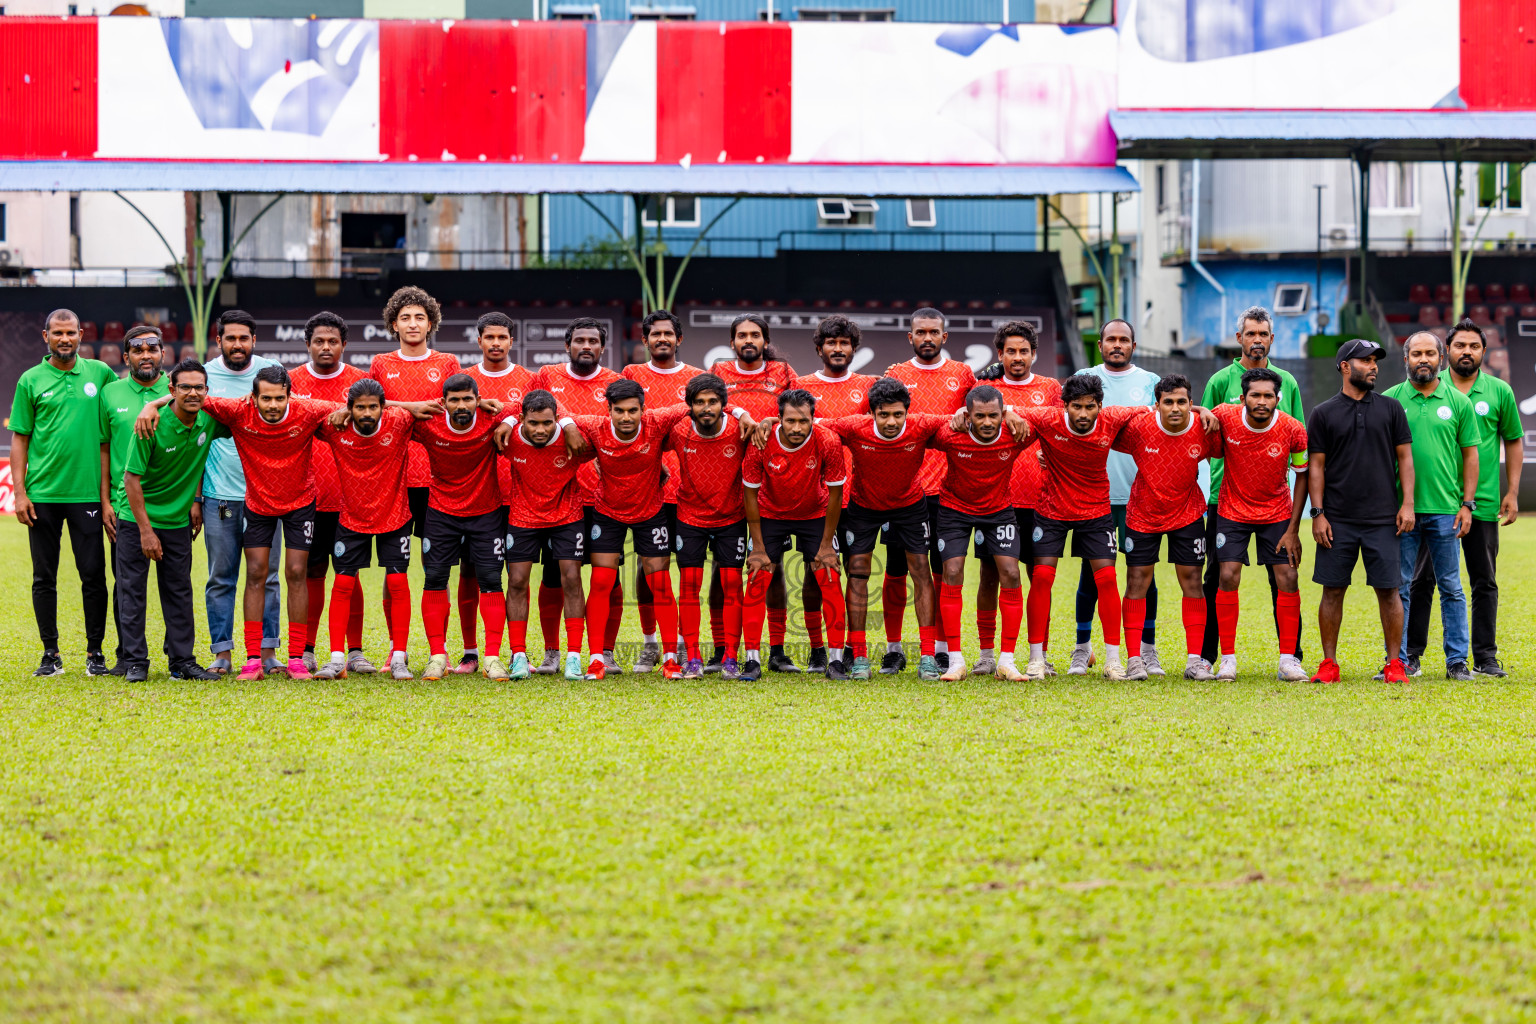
(792, 849)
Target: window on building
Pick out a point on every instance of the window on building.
(1160, 186)
(670, 212)
(373, 231)
(574, 12)
(922, 213)
(846, 213)
(1292, 298)
(845, 14)
(2, 222)
(1394, 186)
(663, 14)
(1499, 186)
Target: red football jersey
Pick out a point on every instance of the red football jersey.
(710, 493)
(1028, 472)
(1076, 484)
(508, 387)
(664, 389)
(756, 391)
(885, 470)
(372, 472)
(976, 474)
(463, 464)
(1166, 493)
(939, 389)
(578, 396)
(330, 387)
(835, 397)
(546, 490)
(791, 483)
(418, 379)
(277, 457)
(1254, 485)
(630, 469)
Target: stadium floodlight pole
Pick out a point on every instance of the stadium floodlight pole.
(201, 294)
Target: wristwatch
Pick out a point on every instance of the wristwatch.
(1315, 512)
(1470, 504)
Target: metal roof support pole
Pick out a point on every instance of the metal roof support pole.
(1363, 159)
(1194, 242)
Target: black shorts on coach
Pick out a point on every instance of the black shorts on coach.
(653, 536)
(1232, 541)
(566, 542)
(298, 528)
(906, 529)
(1186, 545)
(1092, 539)
(726, 544)
(806, 534)
(1376, 543)
(994, 535)
(351, 552)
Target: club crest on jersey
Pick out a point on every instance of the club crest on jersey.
(1481, 408)
(434, 375)
(386, 440)
(645, 448)
(1194, 451)
(202, 439)
(730, 451)
(810, 463)
(856, 396)
(561, 462)
(952, 383)
(1037, 398)
(1274, 449)
(598, 396)
(90, 390)
(1444, 412)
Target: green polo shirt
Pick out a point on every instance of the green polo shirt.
(57, 410)
(121, 403)
(170, 467)
(1498, 420)
(1226, 388)
(1442, 423)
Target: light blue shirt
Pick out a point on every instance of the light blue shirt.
(223, 477)
(1127, 387)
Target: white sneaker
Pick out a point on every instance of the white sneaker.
(1199, 669)
(1291, 670)
(1036, 667)
(437, 667)
(1136, 668)
(1006, 669)
(956, 670)
(1113, 670)
(1149, 658)
(1228, 669)
(494, 669)
(1082, 657)
(399, 669)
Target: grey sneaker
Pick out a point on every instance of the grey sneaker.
(1136, 668)
(1149, 658)
(550, 665)
(611, 665)
(399, 669)
(1199, 669)
(986, 665)
(330, 670)
(359, 665)
(650, 657)
(1459, 672)
(310, 662)
(1050, 668)
(1082, 657)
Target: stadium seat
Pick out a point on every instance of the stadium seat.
(873, 303)
(951, 304)
(112, 330)
(634, 331)
(637, 309)
(1519, 293)
(795, 302)
(1429, 316)
(588, 303)
(1473, 296)
(112, 355)
(770, 303)
(899, 304)
(458, 304)
(188, 351)
(87, 350)
(976, 304)
(920, 303)
(486, 304)
(1503, 313)
(1442, 293)
(169, 331)
(820, 304)
(1419, 295)
(1480, 315)
(845, 304)
(1528, 312)
(1494, 337)
(88, 331)
(1493, 294)
(1000, 304)
(167, 357)
(536, 303)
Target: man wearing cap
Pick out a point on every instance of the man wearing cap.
(1498, 421)
(1361, 460)
(1445, 443)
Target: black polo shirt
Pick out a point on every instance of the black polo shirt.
(1359, 443)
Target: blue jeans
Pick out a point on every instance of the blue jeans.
(1437, 534)
(224, 537)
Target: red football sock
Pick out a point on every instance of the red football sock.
(755, 608)
(517, 636)
(469, 603)
(316, 588)
(1194, 624)
(832, 605)
(666, 609)
(398, 610)
(776, 618)
(1133, 612)
(551, 606)
(298, 636)
(253, 639)
(434, 616)
(858, 643)
(730, 579)
(1040, 582)
(600, 587)
(927, 636)
(951, 608)
(1109, 604)
(1227, 603)
(1011, 601)
(986, 624)
(1288, 610)
(615, 615)
(341, 611)
(813, 629)
(573, 628)
(355, 621)
(493, 609)
(893, 605)
(689, 582)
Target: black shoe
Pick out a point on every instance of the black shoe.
(712, 667)
(137, 673)
(96, 665)
(121, 668)
(750, 671)
(893, 662)
(847, 654)
(778, 661)
(1491, 667)
(942, 657)
(835, 670)
(817, 662)
(1412, 668)
(51, 665)
(192, 670)
(1459, 672)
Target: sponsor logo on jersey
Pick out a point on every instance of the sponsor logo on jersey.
(124, 408)
(391, 376)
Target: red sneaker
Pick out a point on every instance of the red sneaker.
(595, 668)
(670, 669)
(1394, 672)
(1327, 672)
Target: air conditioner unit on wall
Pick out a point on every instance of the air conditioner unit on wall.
(11, 257)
